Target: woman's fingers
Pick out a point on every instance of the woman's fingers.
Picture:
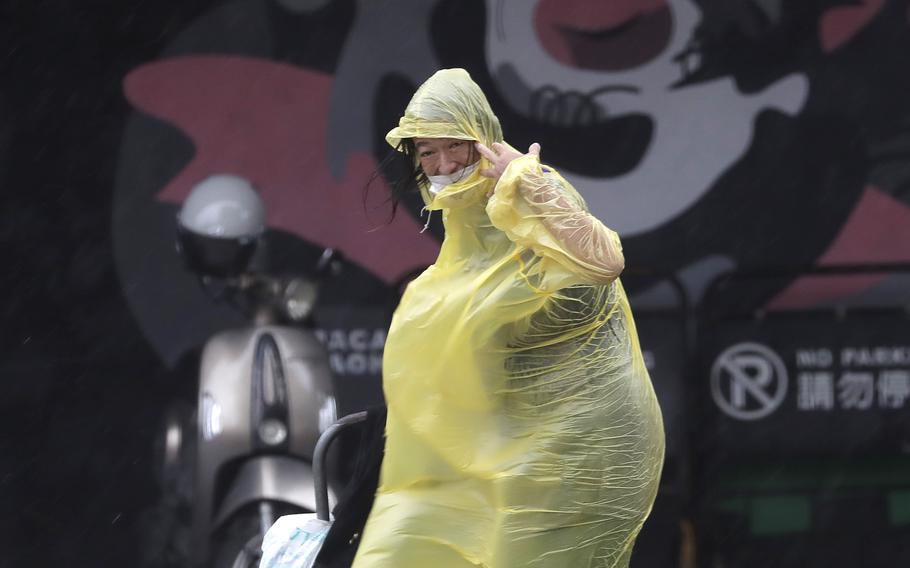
(499, 155)
(490, 155)
(485, 152)
(489, 172)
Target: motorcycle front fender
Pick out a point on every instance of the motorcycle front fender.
(270, 478)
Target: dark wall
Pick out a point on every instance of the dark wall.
(81, 389)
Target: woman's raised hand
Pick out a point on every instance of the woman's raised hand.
(500, 156)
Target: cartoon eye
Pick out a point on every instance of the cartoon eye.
(690, 59)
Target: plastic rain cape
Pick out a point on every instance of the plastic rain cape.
(523, 429)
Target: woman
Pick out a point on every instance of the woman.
(522, 427)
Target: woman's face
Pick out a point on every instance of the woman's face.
(444, 156)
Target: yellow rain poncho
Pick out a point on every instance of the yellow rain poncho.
(522, 428)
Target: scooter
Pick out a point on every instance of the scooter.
(265, 391)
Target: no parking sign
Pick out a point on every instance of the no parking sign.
(748, 381)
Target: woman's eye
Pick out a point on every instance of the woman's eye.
(426, 154)
(456, 144)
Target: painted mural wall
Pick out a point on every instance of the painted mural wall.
(713, 136)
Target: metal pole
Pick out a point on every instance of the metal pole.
(320, 481)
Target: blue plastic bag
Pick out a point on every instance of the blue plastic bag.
(293, 541)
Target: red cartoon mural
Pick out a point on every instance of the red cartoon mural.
(267, 122)
(665, 130)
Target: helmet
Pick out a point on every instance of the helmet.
(219, 225)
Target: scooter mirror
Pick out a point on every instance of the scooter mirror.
(299, 298)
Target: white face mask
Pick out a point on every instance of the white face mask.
(437, 183)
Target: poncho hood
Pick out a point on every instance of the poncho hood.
(450, 105)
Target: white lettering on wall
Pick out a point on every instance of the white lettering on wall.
(356, 351)
(875, 356)
(814, 358)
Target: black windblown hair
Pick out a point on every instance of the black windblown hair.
(401, 169)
